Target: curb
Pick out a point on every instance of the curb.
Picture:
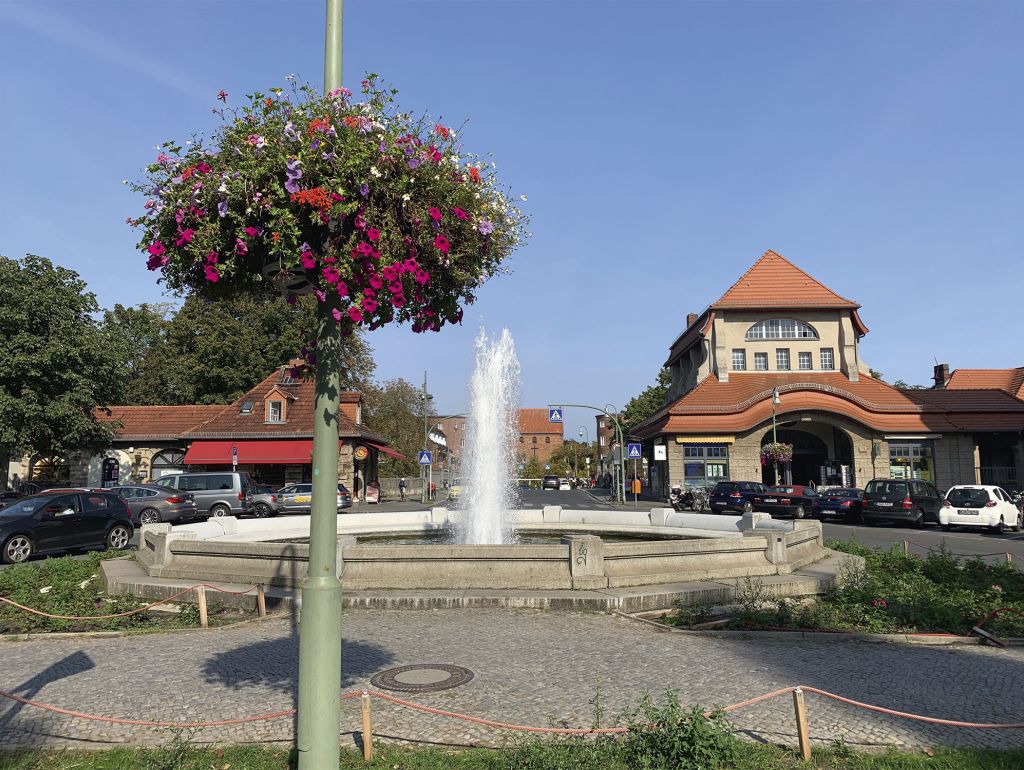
(38, 637)
(918, 640)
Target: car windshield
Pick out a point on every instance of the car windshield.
(25, 507)
(886, 488)
(840, 493)
(967, 497)
(782, 490)
(551, 478)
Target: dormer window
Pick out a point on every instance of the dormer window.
(246, 407)
(781, 329)
(275, 411)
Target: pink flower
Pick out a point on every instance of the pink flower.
(435, 213)
(211, 274)
(411, 264)
(422, 277)
(355, 314)
(373, 234)
(336, 313)
(203, 168)
(156, 261)
(369, 291)
(395, 287)
(320, 296)
(369, 305)
(342, 289)
(441, 244)
(330, 275)
(156, 248)
(240, 248)
(375, 281)
(184, 236)
(308, 262)
(256, 140)
(459, 212)
(211, 258)
(398, 300)
(252, 232)
(364, 248)
(389, 273)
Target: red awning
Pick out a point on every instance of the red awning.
(280, 451)
(387, 450)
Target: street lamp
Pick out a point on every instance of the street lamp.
(589, 448)
(775, 436)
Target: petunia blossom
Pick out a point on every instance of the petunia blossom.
(373, 234)
(435, 213)
(308, 261)
(459, 213)
(441, 244)
(369, 305)
(211, 273)
(355, 314)
(336, 313)
(156, 248)
(486, 227)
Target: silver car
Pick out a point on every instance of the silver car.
(298, 498)
(152, 504)
(217, 493)
(265, 501)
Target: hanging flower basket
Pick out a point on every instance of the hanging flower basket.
(776, 453)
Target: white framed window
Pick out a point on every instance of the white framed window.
(601, 439)
(781, 329)
(275, 411)
(828, 359)
(739, 359)
(804, 361)
(782, 359)
(761, 362)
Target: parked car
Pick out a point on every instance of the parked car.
(455, 489)
(298, 498)
(794, 500)
(50, 523)
(217, 493)
(972, 505)
(841, 502)
(550, 482)
(735, 496)
(563, 485)
(910, 500)
(265, 501)
(8, 497)
(152, 504)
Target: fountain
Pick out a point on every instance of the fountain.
(489, 459)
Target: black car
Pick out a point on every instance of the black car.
(8, 497)
(550, 482)
(911, 500)
(51, 522)
(842, 502)
(735, 496)
(794, 500)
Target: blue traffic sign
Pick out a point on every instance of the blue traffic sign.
(234, 451)
(426, 458)
(554, 414)
(632, 451)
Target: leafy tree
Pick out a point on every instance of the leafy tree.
(649, 401)
(394, 409)
(570, 457)
(137, 338)
(55, 363)
(876, 374)
(534, 469)
(904, 385)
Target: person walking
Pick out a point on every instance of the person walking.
(401, 488)
(433, 491)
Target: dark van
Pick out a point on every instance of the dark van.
(911, 500)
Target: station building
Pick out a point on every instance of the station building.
(778, 355)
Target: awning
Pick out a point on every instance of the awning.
(387, 450)
(279, 451)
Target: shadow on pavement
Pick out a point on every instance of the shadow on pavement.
(10, 711)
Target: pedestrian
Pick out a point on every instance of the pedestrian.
(433, 491)
(401, 488)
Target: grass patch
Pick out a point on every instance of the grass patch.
(66, 586)
(894, 593)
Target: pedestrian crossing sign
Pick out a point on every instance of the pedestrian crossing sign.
(426, 458)
(632, 451)
(554, 414)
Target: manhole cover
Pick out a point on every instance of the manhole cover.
(422, 677)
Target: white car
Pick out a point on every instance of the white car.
(563, 485)
(976, 505)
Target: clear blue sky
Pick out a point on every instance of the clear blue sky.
(663, 147)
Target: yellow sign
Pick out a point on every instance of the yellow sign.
(705, 439)
(361, 453)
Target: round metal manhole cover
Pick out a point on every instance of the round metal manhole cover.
(422, 677)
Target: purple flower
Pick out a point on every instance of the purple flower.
(364, 190)
(315, 144)
(290, 132)
(486, 227)
(222, 208)
(293, 174)
(414, 162)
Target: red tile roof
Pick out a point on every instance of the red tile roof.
(745, 402)
(155, 422)
(536, 421)
(1009, 380)
(774, 281)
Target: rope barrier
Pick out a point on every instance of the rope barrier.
(931, 549)
(41, 613)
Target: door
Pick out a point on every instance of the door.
(95, 517)
(59, 524)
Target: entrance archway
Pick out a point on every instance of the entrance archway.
(824, 462)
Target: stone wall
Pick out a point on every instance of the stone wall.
(956, 460)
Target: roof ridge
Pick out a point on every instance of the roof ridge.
(772, 254)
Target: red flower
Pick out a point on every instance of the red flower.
(441, 244)
(223, 95)
(373, 234)
(459, 213)
(474, 175)
(442, 131)
(318, 124)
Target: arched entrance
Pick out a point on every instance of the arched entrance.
(167, 462)
(824, 457)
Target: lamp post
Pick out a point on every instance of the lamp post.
(775, 436)
(426, 471)
(583, 428)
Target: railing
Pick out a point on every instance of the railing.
(998, 475)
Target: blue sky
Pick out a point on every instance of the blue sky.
(663, 147)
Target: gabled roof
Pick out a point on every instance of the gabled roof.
(774, 281)
(155, 422)
(1008, 380)
(536, 421)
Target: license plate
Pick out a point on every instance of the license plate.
(884, 505)
(303, 498)
(963, 512)
(770, 500)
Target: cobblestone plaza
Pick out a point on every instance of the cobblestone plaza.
(530, 667)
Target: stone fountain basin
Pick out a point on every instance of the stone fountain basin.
(719, 546)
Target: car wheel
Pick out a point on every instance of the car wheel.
(261, 511)
(748, 507)
(799, 512)
(118, 537)
(220, 511)
(149, 516)
(919, 521)
(17, 549)
(1000, 528)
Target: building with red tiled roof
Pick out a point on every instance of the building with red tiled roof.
(538, 436)
(267, 432)
(778, 335)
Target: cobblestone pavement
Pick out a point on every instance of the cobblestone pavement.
(538, 668)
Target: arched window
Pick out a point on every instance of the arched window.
(781, 329)
(49, 469)
(167, 461)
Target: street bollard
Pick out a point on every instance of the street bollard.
(1009, 558)
(801, 724)
(906, 548)
(204, 620)
(367, 728)
(261, 601)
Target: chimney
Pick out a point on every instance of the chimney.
(690, 319)
(941, 375)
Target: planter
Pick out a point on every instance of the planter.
(288, 281)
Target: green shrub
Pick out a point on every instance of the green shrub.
(674, 738)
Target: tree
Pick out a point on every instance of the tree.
(876, 374)
(903, 385)
(55, 363)
(394, 409)
(648, 402)
(137, 338)
(570, 457)
(533, 469)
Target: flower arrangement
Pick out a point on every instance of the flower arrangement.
(776, 452)
(379, 213)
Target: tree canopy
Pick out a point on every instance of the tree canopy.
(55, 365)
(394, 409)
(649, 401)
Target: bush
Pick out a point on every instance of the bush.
(672, 737)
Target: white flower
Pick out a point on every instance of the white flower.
(374, 172)
(522, 197)
(406, 198)
(455, 160)
(124, 181)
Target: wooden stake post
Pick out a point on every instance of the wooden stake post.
(261, 600)
(204, 620)
(367, 728)
(801, 724)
